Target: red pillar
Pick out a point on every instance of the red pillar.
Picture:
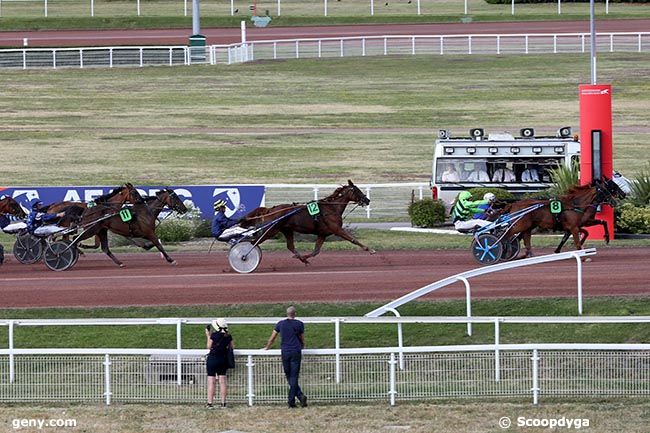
(596, 115)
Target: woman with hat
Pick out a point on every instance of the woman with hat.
(218, 342)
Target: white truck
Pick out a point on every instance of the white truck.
(517, 164)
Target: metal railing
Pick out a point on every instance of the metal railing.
(484, 44)
(515, 44)
(151, 375)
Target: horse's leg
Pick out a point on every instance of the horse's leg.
(154, 240)
(562, 242)
(340, 232)
(97, 244)
(103, 240)
(527, 236)
(319, 243)
(288, 235)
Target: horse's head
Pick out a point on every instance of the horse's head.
(133, 194)
(12, 207)
(608, 191)
(171, 199)
(351, 192)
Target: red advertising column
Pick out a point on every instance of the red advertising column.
(596, 145)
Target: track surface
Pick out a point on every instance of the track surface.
(200, 278)
(89, 38)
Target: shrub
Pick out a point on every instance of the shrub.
(564, 178)
(640, 186)
(202, 229)
(633, 219)
(175, 230)
(500, 193)
(427, 213)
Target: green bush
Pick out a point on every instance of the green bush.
(427, 213)
(499, 193)
(202, 229)
(640, 186)
(175, 230)
(633, 219)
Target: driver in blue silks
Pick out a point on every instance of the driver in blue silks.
(224, 228)
(38, 218)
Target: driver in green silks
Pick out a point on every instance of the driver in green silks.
(468, 214)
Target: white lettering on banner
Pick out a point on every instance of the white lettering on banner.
(91, 194)
(233, 196)
(31, 194)
(183, 192)
(71, 195)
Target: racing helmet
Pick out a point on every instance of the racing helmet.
(36, 204)
(489, 197)
(219, 204)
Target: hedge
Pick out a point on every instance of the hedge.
(633, 219)
(427, 213)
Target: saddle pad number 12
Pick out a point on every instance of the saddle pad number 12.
(312, 208)
(556, 206)
(126, 215)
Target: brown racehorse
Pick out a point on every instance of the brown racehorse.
(577, 206)
(10, 206)
(296, 218)
(141, 225)
(608, 192)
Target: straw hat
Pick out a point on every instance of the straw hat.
(220, 324)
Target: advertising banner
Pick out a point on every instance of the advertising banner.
(240, 199)
(596, 144)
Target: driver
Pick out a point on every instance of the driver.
(39, 220)
(224, 228)
(467, 214)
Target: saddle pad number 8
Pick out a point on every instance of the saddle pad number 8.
(556, 206)
(312, 208)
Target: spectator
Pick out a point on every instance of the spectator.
(503, 174)
(219, 341)
(530, 174)
(292, 332)
(478, 174)
(450, 174)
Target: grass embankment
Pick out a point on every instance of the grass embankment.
(295, 121)
(322, 336)
(468, 417)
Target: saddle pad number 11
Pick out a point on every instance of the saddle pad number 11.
(126, 215)
(312, 208)
(556, 206)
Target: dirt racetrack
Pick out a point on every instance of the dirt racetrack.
(200, 278)
(88, 38)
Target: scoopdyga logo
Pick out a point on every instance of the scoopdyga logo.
(232, 198)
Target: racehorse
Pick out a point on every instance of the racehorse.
(138, 222)
(290, 218)
(608, 192)
(577, 206)
(10, 206)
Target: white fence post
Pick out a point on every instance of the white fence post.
(468, 302)
(279, 7)
(138, 6)
(325, 7)
(54, 59)
(535, 388)
(249, 367)
(393, 386)
(419, 10)
(337, 346)
(579, 272)
(368, 207)
(81, 58)
(232, 7)
(92, 8)
(179, 347)
(372, 7)
(11, 352)
(45, 8)
(107, 379)
(497, 360)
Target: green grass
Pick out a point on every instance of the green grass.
(322, 336)
(295, 121)
(75, 14)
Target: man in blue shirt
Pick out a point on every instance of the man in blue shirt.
(292, 332)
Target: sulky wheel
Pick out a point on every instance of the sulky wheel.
(60, 256)
(487, 249)
(28, 248)
(244, 257)
(510, 249)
